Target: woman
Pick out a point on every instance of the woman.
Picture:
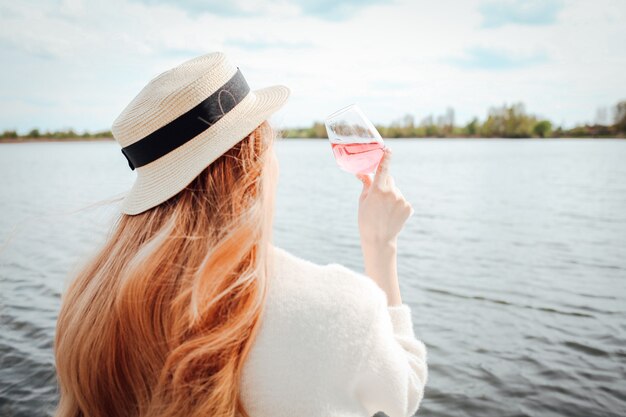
(189, 310)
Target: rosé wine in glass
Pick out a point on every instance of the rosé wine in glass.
(358, 158)
(355, 142)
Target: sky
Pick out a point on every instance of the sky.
(77, 63)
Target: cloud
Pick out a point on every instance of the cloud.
(26, 49)
(391, 85)
(335, 10)
(326, 9)
(522, 12)
(259, 44)
(492, 59)
(217, 7)
(175, 52)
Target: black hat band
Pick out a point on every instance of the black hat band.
(188, 125)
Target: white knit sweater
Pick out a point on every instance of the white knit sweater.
(330, 346)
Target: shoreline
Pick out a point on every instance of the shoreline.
(102, 139)
(30, 140)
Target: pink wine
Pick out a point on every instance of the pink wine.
(358, 158)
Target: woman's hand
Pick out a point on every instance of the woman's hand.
(383, 210)
(382, 213)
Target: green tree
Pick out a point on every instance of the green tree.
(508, 122)
(471, 128)
(431, 130)
(446, 122)
(319, 130)
(543, 128)
(620, 116)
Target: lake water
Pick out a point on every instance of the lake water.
(514, 263)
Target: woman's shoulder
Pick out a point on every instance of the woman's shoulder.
(332, 287)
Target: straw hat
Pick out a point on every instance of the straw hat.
(183, 120)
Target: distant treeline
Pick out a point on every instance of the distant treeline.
(501, 122)
(58, 134)
(507, 121)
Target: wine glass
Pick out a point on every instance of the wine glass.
(356, 144)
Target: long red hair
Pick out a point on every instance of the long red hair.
(161, 319)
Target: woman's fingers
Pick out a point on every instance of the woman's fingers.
(365, 179)
(380, 179)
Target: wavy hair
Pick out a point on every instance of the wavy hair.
(161, 319)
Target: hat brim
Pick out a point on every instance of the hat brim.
(163, 178)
